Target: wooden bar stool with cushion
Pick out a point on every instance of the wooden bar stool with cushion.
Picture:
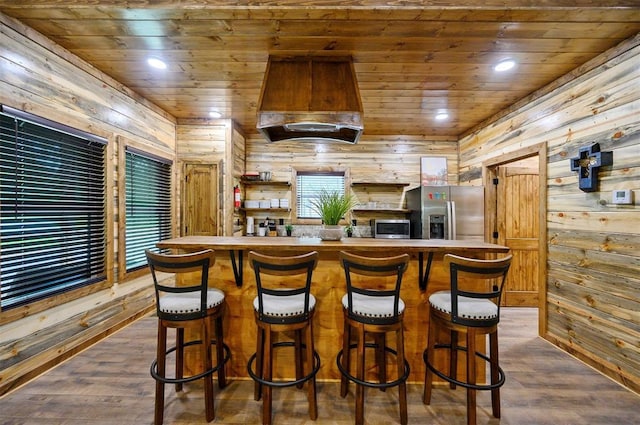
(181, 303)
(372, 306)
(472, 307)
(284, 304)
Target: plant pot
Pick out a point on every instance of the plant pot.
(288, 232)
(331, 233)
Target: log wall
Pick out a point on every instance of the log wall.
(591, 303)
(38, 76)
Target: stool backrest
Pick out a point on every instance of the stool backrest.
(283, 267)
(180, 264)
(487, 274)
(377, 271)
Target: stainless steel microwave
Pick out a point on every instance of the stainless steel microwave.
(391, 229)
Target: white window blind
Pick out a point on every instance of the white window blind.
(310, 185)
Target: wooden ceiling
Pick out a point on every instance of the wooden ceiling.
(412, 58)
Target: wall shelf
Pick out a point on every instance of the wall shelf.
(381, 210)
(385, 184)
(265, 183)
(275, 210)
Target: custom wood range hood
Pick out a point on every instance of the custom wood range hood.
(310, 98)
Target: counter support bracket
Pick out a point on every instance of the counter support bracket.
(237, 267)
(423, 276)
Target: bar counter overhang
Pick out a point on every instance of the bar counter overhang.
(234, 276)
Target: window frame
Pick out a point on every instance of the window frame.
(124, 144)
(294, 190)
(38, 306)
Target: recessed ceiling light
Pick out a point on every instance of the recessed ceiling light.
(215, 114)
(441, 116)
(157, 63)
(505, 65)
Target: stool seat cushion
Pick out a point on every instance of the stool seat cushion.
(189, 302)
(284, 306)
(468, 308)
(370, 306)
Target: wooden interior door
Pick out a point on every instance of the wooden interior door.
(518, 224)
(200, 199)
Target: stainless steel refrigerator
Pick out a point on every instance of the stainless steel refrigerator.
(446, 212)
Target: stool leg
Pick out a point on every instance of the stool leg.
(257, 387)
(313, 402)
(428, 374)
(268, 376)
(453, 358)
(208, 379)
(402, 387)
(360, 376)
(298, 355)
(161, 358)
(222, 377)
(346, 357)
(179, 357)
(471, 377)
(495, 375)
(381, 358)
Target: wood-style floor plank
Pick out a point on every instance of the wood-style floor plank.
(109, 383)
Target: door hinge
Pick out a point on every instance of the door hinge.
(495, 181)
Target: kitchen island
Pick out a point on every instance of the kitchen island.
(235, 277)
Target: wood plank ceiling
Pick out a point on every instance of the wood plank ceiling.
(413, 59)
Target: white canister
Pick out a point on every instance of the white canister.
(249, 225)
(275, 203)
(262, 231)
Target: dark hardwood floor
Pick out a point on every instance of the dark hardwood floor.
(109, 383)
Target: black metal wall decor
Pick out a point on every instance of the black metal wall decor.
(587, 164)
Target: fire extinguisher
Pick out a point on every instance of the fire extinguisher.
(236, 197)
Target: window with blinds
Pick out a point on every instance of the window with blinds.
(148, 205)
(310, 184)
(52, 202)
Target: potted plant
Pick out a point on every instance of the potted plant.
(289, 229)
(349, 230)
(332, 207)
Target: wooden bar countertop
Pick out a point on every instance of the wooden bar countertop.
(279, 243)
(235, 277)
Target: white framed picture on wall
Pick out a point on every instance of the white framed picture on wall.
(433, 171)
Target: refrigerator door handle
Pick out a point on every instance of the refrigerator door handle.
(452, 221)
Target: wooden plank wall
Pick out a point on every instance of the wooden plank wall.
(382, 159)
(38, 76)
(593, 247)
(217, 141)
(200, 141)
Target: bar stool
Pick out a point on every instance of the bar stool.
(372, 306)
(284, 303)
(472, 311)
(181, 305)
